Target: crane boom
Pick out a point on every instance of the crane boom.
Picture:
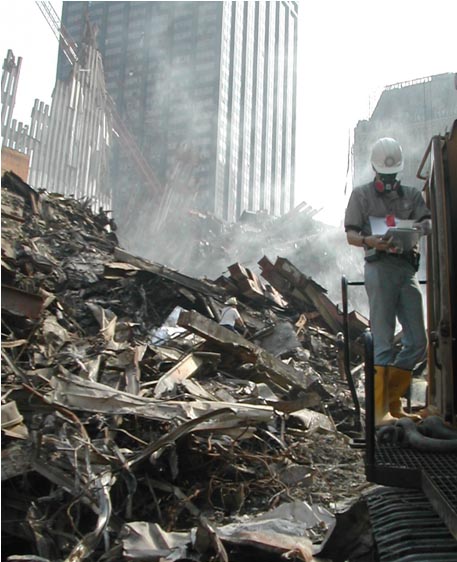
(68, 46)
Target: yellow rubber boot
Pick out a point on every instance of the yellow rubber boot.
(382, 416)
(399, 382)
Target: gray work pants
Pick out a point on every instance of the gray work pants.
(393, 293)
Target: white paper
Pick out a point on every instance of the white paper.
(379, 226)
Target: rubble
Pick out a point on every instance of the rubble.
(135, 427)
(199, 244)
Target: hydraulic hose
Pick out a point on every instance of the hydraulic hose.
(405, 433)
(434, 426)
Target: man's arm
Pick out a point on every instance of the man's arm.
(354, 218)
(356, 238)
(239, 320)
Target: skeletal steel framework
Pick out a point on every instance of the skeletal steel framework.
(67, 143)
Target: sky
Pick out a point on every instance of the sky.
(348, 51)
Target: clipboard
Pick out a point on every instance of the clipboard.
(404, 239)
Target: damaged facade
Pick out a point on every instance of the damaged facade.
(135, 427)
(410, 112)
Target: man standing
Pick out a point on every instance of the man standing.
(390, 275)
(230, 317)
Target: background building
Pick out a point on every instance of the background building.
(411, 112)
(208, 90)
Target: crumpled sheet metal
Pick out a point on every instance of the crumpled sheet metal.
(186, 367)
(281, 531)
(12, 421)
(54, 334)
(89, 396)
(291, 517)
(98, 320)
(313, 421)
(148, 542)
(106, 318)
(293, 548)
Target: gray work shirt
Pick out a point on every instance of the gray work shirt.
(365, 201)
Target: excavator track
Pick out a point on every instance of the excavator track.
(407, 528)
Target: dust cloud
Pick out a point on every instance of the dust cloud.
(200, 245)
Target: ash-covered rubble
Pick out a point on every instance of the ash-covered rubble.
(200, 244)
(134, 427)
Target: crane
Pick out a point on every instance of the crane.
(68, 46)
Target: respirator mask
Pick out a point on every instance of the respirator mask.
(385, 183)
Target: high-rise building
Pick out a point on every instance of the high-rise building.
(411, 112)
(208, 90)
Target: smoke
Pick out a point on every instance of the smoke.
(326, 257)
(202, 246)
(197, 243)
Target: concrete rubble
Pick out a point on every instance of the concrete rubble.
(134, 427)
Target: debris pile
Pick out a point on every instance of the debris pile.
(200, 244)
(135, 427)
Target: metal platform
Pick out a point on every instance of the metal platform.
(394, 465)
(435, 474)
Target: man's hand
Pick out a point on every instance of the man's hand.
(379, 243)
(424, 227)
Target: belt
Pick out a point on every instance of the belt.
(404, 255)
(411, 257)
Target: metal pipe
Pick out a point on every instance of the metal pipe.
(419, 174)
(369, 399)
(347, 351)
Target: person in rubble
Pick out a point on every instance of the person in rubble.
(390, 276)
(230, 317)
(102, 219)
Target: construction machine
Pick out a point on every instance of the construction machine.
(412, 513)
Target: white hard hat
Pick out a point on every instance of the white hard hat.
(387, 156)
(231, 301)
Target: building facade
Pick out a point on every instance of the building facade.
(411, 112)
(208, 91)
